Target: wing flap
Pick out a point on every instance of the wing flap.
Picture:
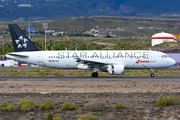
(91, 61)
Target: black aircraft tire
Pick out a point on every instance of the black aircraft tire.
(152, 75)
(94, 74)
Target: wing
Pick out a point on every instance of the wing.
(91, 63)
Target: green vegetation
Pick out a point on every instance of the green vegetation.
(76, 26)
(11, 108)
(50, 116)
(93, 44)
(69, 106)
(119, 106)
(26, 105)
(95, 106)
(132, 38)
(50, 72)
(98, 108)
(56, 118)
(46, 105)
(87, 117)
(7, 107)
(4, 106)
(169, 100)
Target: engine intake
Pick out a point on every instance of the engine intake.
(115, 69)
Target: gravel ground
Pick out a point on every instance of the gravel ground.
(89, 86)
(138, 97)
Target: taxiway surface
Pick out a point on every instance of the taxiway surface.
(94, 78)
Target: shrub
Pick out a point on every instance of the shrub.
(172, 100)
(81, 74)
(7, 107)
(71, 73)
(95, 106)
(161, 102)
(118, 106)
(87, 117)
(50, 116)
(4, 106)
(37, 70)
(46, 105)
(11, 108)
(41, 73)
(56, 118)
(169, 100)
(61, 74)
(26, 105)
(55, 73)
(69, 106)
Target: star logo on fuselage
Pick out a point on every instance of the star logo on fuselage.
(21, 42)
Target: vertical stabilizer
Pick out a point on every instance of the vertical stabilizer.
(20, 41)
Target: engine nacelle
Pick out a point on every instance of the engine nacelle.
(115, 69)
(83, 66)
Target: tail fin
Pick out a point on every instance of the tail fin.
(20, 41)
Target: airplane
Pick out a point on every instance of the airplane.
(112, 61)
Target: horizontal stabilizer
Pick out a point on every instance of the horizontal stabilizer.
(17, 55)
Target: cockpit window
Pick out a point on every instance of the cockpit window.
(164, 56)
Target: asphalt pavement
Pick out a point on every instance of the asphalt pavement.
(94, 78)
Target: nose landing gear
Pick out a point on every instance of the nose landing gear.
(152, 74)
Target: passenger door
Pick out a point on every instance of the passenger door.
(152, 57)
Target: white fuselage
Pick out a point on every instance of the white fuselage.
(131, 59)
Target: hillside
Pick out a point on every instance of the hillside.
(55, 9)
(76, 25)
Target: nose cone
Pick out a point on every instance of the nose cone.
(173, 62)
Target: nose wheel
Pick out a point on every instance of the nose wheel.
(152, 74)
(94, 74)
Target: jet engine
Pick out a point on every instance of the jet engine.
(115, 69)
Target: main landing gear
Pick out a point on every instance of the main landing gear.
(94, 74)
(152, 74)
